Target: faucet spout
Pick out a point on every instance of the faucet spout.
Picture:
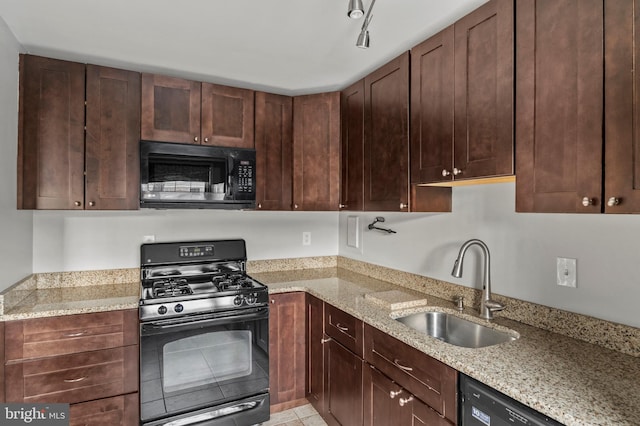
(487, 306)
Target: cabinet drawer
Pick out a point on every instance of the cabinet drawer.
(344, 328)
(117, 411)
(43, 337)
(74, 378)
(428, 379)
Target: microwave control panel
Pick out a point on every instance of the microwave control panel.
(245, 176)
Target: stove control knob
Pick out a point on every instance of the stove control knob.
(178, 308)
(251, 299)
(162, 310)
(238, 300)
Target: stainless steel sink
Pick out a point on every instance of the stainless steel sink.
(455, 330)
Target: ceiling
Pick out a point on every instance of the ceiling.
(289, 47)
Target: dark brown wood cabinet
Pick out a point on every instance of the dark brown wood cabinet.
(621, 106)
(62, 166)
(343, 365)
(559, 106)
(386, 137)
(387, 403)
(315, 353)
(316, 152)
(185, 111)
(462, 98)
(352, 123)
(170, 109)
(425, 378)
(88, 360)
(287, 364)
(274, 151)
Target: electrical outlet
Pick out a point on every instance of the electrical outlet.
(148, 239)
(566, 272)
(306, 238)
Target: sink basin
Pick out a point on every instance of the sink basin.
(455, 330)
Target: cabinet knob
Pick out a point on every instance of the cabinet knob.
(195, 139)
(457, 171)
(323, 341)
(92, 203)
(613, 201)
(273, 301)
(586, 201)
(295, 206)
(445, 172)
(342, 206)
(405, 401)
(77, 203)
(404, 205)
(393, 394)
(259, 205)
(206, 140)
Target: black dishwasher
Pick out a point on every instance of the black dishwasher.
(481, 405)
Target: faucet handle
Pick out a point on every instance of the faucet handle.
(494, 306)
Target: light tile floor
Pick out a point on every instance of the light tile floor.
(304, 415)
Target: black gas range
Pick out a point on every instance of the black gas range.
(180, 279)
(204, 336)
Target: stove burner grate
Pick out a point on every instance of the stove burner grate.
(171, 288)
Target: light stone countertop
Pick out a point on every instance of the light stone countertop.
(572, 381)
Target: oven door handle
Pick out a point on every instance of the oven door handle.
(201, 321)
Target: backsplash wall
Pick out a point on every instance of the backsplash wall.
(523, 247)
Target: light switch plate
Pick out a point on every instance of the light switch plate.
(566, 272)
(353, 231)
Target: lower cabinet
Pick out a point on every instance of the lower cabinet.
(287, 367)
(315, 352)
(117, 411)
(343, 385)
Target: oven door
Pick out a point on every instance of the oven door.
(208, 369)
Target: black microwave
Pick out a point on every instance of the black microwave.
(186, 176)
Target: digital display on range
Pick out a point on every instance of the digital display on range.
(196, 251)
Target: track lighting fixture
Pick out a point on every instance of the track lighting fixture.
(356, 10)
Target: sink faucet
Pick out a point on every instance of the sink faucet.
(487, 306)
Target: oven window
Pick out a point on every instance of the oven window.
(206, 358)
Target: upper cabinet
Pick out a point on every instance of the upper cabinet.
(62, 166)
(352, 123)
(274, 151)
(621, 107)
(386, 137)
(184, 111)
(559, 104)
(462, 98)
(316, 151)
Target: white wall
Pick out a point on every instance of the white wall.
(74, 241)
(524, 248)
(15, 226)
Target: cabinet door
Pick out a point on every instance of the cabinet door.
(343, 386)
(352, 123)
(432, 109)
(51, 134)
(316, 151)
(484, 91)
(112, 139)
(381, 400)
(287, 349)
(170, 109)
(227, 116)
(386, 149)
(622, 106)
(315, 353)
(274, 150)
(559, 105)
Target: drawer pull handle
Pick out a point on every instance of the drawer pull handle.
(393, 394)
(341, 327)
(79, 379)
(323, 341)
(75, 334)
(397, 363)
